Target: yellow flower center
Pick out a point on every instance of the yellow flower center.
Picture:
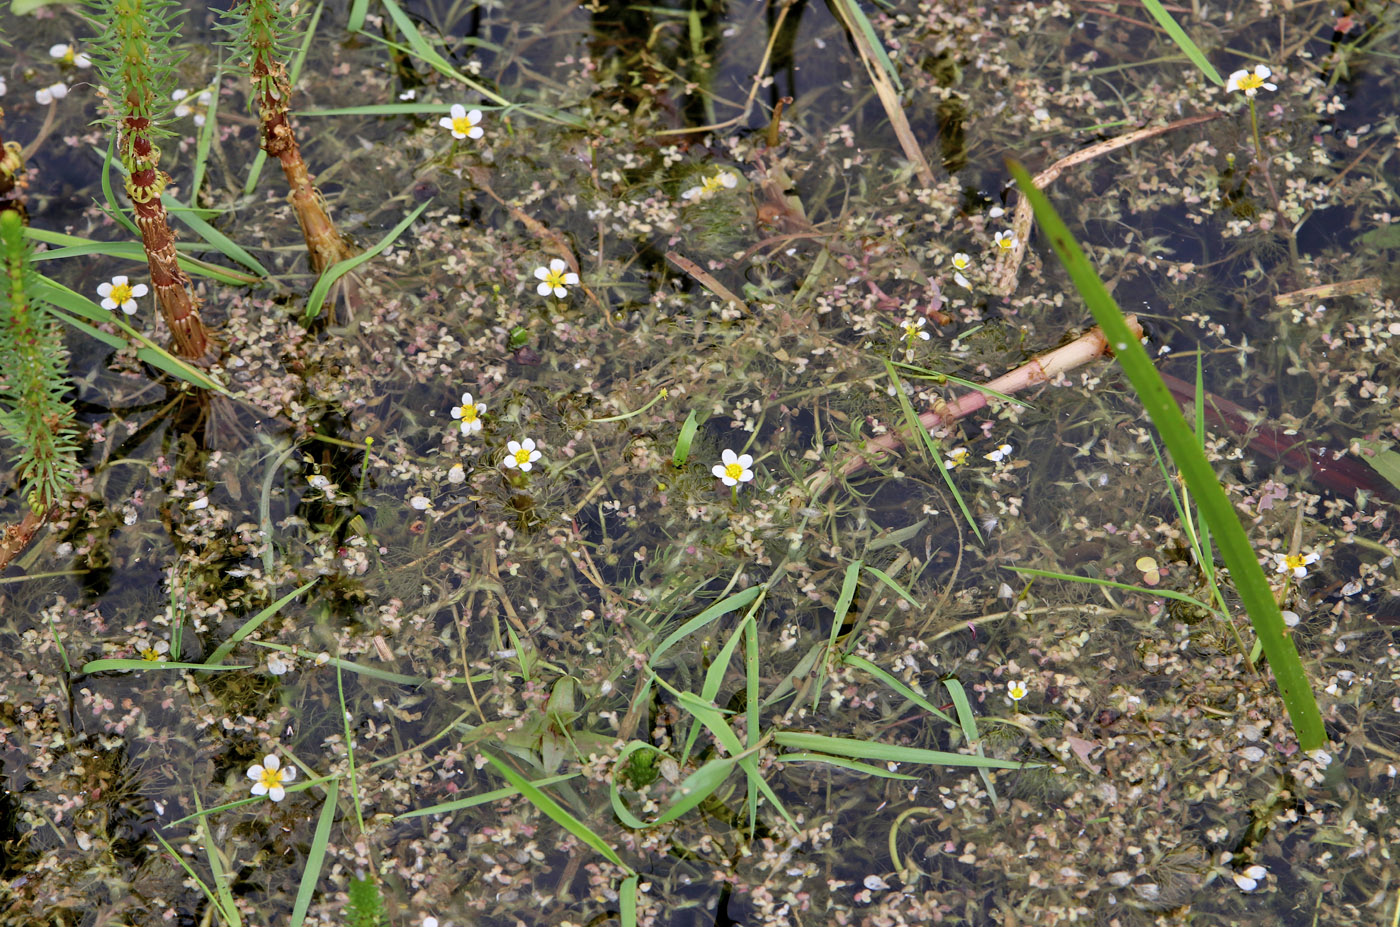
(468, 413)
(522, 456)
(150, 653)
(270, 778)
(734, 471)
(961, 263)
(910, 330)
(462, 125)
(554, 279)
(1018, 693)
(121, 293)
(1251, 82)
(712, 184)
(958, 458)
(1007, 242)
(1295, 561)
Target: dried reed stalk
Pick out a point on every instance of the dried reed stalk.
(1003, 278)
(1042, 369)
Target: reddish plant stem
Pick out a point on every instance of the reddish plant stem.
(324, 243)
(1333, 470)
(176, 299)
(15, 538)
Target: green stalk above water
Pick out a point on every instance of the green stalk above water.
(1235, 548)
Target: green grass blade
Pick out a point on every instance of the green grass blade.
(217, 239)
(308, 34)
(968, 722)
(627, 901)
(696, 787)
(752, 706)
(226, 905)
(1144, 590)
(842, 763)
(431, 56)
(373, 672)
(252, 624)
(214, 901)
(205, 142)
(1183, 40)
(316, 858)
(923, 373)
(113, 207)
(73, 246)
(887, 753)
(854, 14)
(557, 813)
(894, 683)
(114, 663)
(336, 271)
(685, 439)
(356, 20)
(926, 441)
(714, 676)
(885, 578)
(485, 798)
(56, 294)
(721, 608)
(1235, 548)
(843, 607)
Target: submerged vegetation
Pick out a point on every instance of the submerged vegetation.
(699, 496)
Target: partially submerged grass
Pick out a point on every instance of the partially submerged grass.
(763, 703)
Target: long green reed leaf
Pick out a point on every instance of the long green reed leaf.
(338, 270)
(252, 624)
(557, 813)
(1215, 506)
(888, 753)
(1183, 41)
(849, 582)
(316, 858)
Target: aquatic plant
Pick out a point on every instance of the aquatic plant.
(34, 413)
(1235, 548)
(259, 28)
(135, 53)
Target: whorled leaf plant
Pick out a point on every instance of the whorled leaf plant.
(135, 54)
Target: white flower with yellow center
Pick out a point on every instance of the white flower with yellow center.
(956, 457)
(733, 468)
(1000, 454)
(1016, 688)
(461, 123)
(456, 474)
(1294, 564)
(153, 652)
(961, 261)
(1006, 240)
(521, 455)
(723, 180)
(469, 414)
(120, 294)
(268, 777)
(1251, 81)
(554, 279)
(69, 55)
(914, 328)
